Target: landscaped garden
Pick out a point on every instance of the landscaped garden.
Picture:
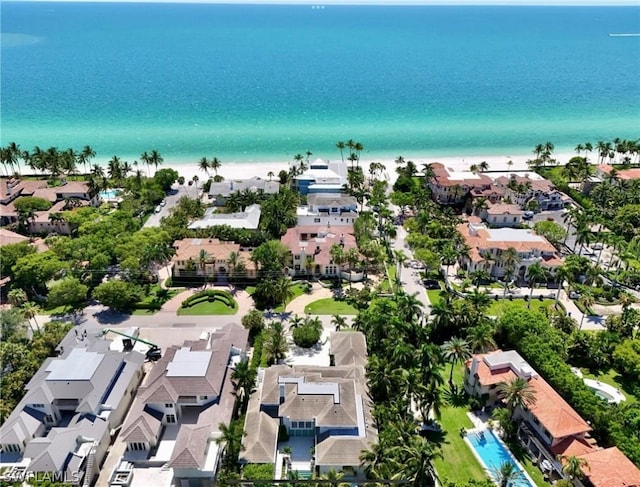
(212, 302)
(330, 306)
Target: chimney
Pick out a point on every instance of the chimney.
(474, 367)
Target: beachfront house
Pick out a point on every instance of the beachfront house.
(451, 187)
(326, 412)
(532, 193)
(68, 194)
(176, 416)
(212, 259)
(322, 177)
(219, 192)
(310, 249)
(549, 428)
(487, 246)
(73, 404)
(328, 209)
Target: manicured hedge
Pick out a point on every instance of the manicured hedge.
(210, 295)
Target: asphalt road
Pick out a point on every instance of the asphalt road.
(177, 192)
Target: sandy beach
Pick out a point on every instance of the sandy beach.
(241, 170)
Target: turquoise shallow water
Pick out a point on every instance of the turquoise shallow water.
(251, 83)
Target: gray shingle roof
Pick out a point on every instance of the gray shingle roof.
(348, 348)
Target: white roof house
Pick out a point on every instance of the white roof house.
(248, 219)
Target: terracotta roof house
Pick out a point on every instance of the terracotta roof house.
(63, 423)
(175, 418)
(502, 215)
(603, 170)
(187, 261)
(316, 242)
(329, 407)
(523, 189)
(13, 189)
(450, 187)
(609, 467)
(487, 245)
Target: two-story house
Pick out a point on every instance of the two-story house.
(310, 249)
(63, 424)
(322, 177)
(175, 418)
(487, 245)
(521, 190)
(329, 407)
(219, 192)
(450, 187)
(329, 210)
(550, 427)
(502, 215)
(212, 259)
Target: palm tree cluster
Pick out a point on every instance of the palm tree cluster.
(355, 149)
(205, 165)
(51, 161)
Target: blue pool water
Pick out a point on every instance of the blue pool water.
(109, 194)
(493, 453)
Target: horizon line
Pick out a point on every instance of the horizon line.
(386, 3)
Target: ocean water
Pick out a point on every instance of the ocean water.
(252, 83)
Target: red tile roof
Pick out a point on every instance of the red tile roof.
(553, 412)
(318, 241)
(610, 468)
(571, 447)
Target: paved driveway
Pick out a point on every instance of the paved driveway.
(177, 192)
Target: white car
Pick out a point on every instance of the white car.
(163, 202)
(597, 246)
(158, 209)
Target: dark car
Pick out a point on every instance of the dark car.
(431, 284)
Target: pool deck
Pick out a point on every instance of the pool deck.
(481, 427)
(613, 395)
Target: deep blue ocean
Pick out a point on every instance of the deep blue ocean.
(248, 82)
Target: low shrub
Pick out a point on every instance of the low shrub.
(306, 336)
(210, 295)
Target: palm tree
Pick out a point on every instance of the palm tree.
(573, 466)
(507, 474)
(86, 155)
(270, 175)
(338, 258)
(586, 300)
(478, 276)
(30, 310)
(401, 258)
(536, 273)
(283, 291)
(203, 257)
(483, 166)
(146, 158)
(204, 165)
(215, 164)
(516, 393)
(155, 158)
(340, 145)
(275, 344)
(416, 462)
(243, 378)
(509, 259)
(455, 350)
(480, 338)
(17, 297)
(339, 322)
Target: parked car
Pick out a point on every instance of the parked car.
(527, 215)
(431, 284)
(574, 295)
(163, 202)
(597, 246)
(158, 208)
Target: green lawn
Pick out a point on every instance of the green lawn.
(59, 310)
(216, 307)
(497, 307)
(148, 299)
(433, 295)
(613, 378)
(329, 306)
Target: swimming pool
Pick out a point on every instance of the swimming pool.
(492, 453)
(109, 194)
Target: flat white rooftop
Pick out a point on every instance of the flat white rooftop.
(187, 363)
(513, 235)
(461, 175)
(78, 365)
